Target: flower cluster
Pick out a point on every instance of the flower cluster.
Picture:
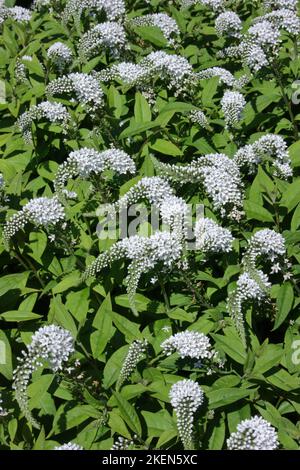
(50, 345)
(219, 176)
(165, 23)
(228, 24)
(253, 284)
(232, 104)
(173, 68)
(88, 161)
(135, 353)
(3, 412)
(113, 9)
(60, 55)
(271, 148)
(211, 238)
(69, 446)
(122, 444)
(53, 112)
(186, 397)
(42, 211)
(109, 36)
(188, 344)
(86, 89)
(198, 117)
(253, 434)
(19, 14)
(279, 4)
(144, 253)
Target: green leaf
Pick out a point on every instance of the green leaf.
(226, 396)
(218, 435)
(142, 111)
(166, 147)
(19, 316)
(231, 345)
(257, 212)
(284, 303)
(113, 366)
(128, 413)
(104, 328)
(6, 367)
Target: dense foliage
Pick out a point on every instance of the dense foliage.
(163, 339)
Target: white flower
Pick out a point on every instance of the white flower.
(165, 23)
(19, 14)
(53, 112)
(233, 104)
(211, 238)
(87, 161)
(60, 54)
(186, 397)
(113, 9)
(50, 345)
(122, 444)
(104, 36)
(86, 89)
(69, 446)
(219, 176)
(198, 117)
(270, 147)
(144, 253)
(228, 23)
(135, 353)
(266, 243)
(3, 411)
(41, 211)
(253, 434)
(188, 344)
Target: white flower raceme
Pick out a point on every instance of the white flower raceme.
(3, 412)
(20, 68)
(253, 434)
(42, 211)
(251, 285)
(267, 244)
(165, 23)
(109, 36)
(87, 89)
(186, 397)
(127, 72)
(122, 444)
(258, 47)
(228, 24)
(224, 75)
(218, 174)
(53, 112)
(50, 345)
(188, 344)
(284, 19)
(135, 353)
(19, 14)
(113, 9)
(87, 161)
(271, 148)
(211, 238)
(60, 55)
(150, 188)
(233, 104)
(69, 446)
(144, 254)
(278, 4)
(175, 69)
(215, 5)
(198, 117)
